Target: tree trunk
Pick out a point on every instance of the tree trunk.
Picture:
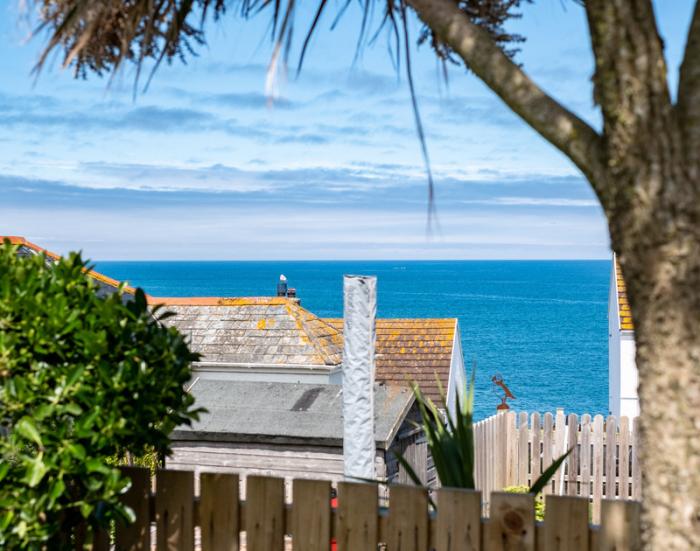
(663, 284)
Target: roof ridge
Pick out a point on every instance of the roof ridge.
(23, 241)
(328, 346)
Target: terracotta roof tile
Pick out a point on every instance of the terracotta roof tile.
(27, 247)
(413, 350)
(623, 305)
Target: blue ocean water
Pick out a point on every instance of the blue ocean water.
(542, 325)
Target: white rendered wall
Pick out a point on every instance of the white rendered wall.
(629, 400)
(623, 400)
(613, 348)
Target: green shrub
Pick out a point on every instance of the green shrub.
(539, 499)
(83, 380)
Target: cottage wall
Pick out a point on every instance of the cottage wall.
(286, 461)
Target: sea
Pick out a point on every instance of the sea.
(540, 325)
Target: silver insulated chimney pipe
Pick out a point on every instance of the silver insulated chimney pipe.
(360, 312)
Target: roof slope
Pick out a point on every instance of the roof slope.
(261, 330)
(28, 248)
(413, 350)
(623, 305)
(257, 411)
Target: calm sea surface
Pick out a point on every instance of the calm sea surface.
(542, 325)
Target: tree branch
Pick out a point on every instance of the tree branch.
(558, 125)
(689, 92)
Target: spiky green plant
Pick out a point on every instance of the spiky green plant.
(450, 440)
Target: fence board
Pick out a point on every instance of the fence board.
(620, 528)
(512, 523)
(311, 524)
(566, 528)
(548, 447)
(137, 535)
(408, 519)
(597, 466)
(218, 511)
(264, 522)
(458, 520)
(523, 461)
(357, 516)
(174, 510)
(536, 430)
(574, 457)
(624, 461)
(636, 467)
(610, 456)
(585, 455)
(560, 449)
(511, 447)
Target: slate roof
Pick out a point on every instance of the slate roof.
(623, 305)
(247, 411)
(104, 283)
(413, 350)
(260, 330)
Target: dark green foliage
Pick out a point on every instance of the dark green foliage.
(83, 380)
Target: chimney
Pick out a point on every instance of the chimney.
(359, 312)
(282, 286)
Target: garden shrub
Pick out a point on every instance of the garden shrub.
(539, 499)
(83, 379)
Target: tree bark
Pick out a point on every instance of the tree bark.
(645, 170)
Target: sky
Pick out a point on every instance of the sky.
(203, 165)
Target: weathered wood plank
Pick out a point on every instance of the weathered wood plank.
(511, 448)
(357, 516)
(548, 441)
(136, 536)
(566, 526)
(620, 528)
(585, 455)
(218, 511)
(574, 457)
(597, 466)
(311, 522)
(523, 461)
(610, 457)
(535, 461)
(458, 523)
(408, 518)
(560, 449)
(174, 510)
(624, 460)
(636, 467)
(264, 522)
(511, 525)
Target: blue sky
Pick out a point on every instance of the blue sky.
(201, 166)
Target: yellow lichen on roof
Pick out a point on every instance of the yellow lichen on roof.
(623, 305)
(219, 301)
(22, 242)
(417, 350)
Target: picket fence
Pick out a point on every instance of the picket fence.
(175, 519)
(602, 464)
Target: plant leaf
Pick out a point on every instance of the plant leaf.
(26, 428)
(547, 475)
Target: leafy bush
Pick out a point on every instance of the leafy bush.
(83, 379)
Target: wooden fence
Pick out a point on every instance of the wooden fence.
(174, 518)
(603, 463)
